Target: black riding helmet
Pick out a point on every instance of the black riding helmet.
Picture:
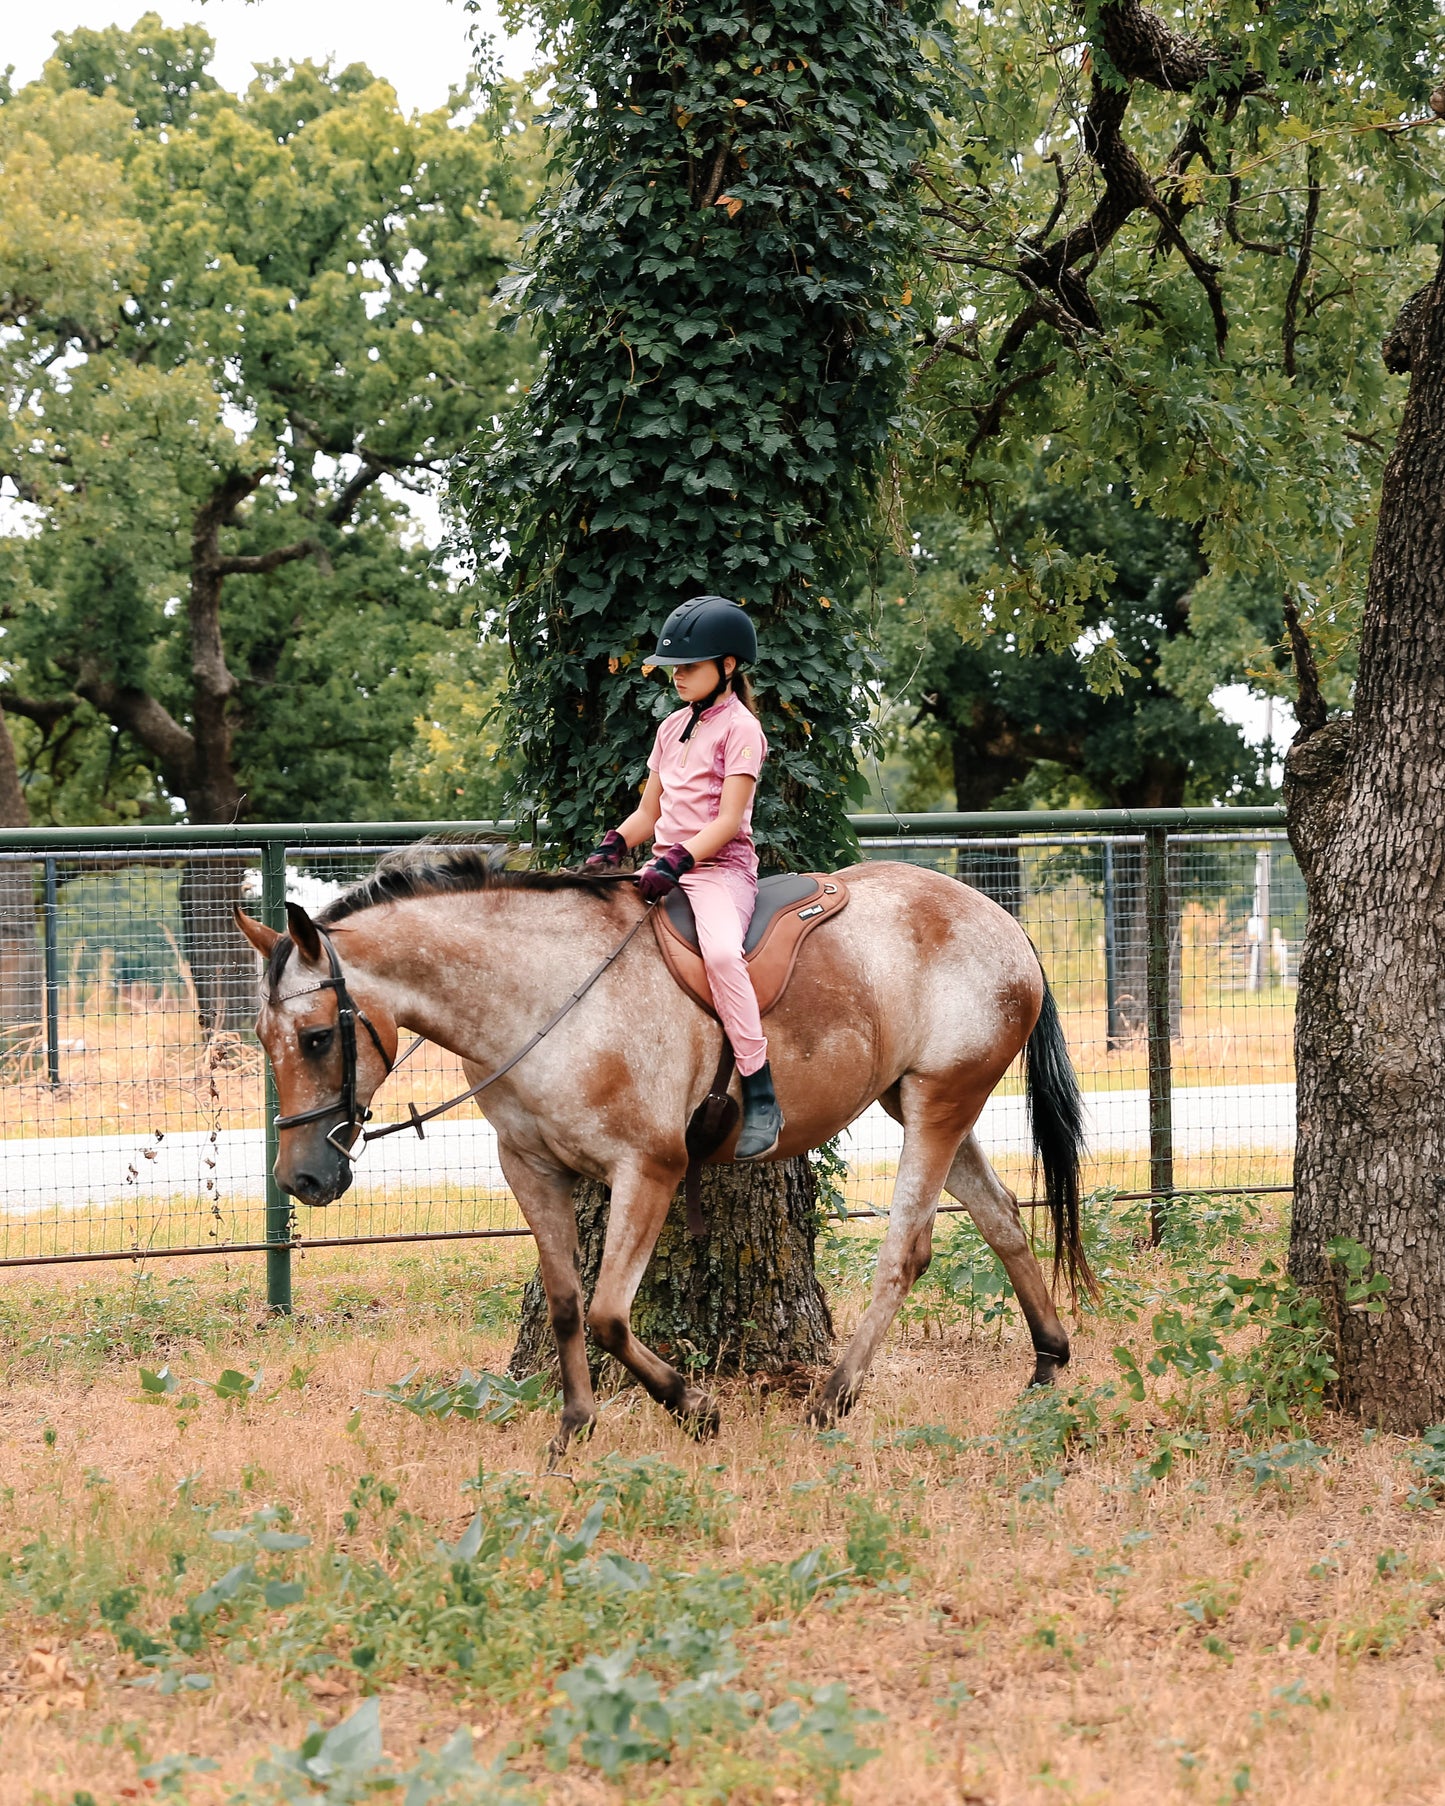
(706, 627)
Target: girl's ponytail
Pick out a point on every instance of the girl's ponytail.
(742, 688)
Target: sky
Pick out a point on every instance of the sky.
(420, 46)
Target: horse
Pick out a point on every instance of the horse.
(920, 995)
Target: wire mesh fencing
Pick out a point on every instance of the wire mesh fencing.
(1172, 957)
(134, 1098)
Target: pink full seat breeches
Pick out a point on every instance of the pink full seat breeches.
(722, 905)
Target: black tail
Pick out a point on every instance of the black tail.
(1056, 1118)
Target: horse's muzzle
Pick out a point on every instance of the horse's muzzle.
(318, 1180)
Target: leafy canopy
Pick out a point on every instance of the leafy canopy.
(264, 317)
(1166, 249)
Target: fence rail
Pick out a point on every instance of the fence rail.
(135, 1108)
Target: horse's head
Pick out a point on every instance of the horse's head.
(329, 1049)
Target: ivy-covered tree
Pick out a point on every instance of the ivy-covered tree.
(720, 283)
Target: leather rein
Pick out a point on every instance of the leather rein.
(349, 1013)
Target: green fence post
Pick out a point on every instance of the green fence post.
(1161, 1074)
(278, 1205)
(52, 971)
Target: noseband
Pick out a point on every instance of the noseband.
(348, 1014)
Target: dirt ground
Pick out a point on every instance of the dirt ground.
(1027, 1630)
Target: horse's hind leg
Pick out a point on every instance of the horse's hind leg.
(544, 1193)
(930, 1138)
(640, 1201)
(995, 1211)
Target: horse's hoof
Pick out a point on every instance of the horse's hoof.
(826, 1407)
(700, 1417)
(580, 1427)
(1047, 1369)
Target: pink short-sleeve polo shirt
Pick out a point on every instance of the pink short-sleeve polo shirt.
(726, 742)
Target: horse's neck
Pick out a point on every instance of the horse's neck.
(477, 972)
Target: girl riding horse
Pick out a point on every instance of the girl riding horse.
(697, 809)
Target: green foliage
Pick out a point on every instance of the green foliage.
(492, 1397)
(1428, 1461)
(1278, 1464)
(965, 1279)
(270, 312)
(720, 278)
(531, 1588)
(827, 1715)
(622, 1717)
(345, 1764)
(1002, 722)
(1170, 267)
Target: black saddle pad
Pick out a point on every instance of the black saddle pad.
(774, 894)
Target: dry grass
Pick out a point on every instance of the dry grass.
(1041, 1651)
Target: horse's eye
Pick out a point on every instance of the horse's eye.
(316, 1040)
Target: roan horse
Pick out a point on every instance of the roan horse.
(920, 994)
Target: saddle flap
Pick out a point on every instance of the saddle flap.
(790, 905)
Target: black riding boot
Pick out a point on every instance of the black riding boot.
(762, 1119)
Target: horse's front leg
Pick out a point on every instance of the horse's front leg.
(930, 1138)
(641, 1196)
(544, 1193)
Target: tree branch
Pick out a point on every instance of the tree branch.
(1248, 244)
(1302, 262)
(1310, 710)
(340, 510)
(262, 562)
(141, 715)
(44, 713)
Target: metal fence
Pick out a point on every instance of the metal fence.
(134, 1101)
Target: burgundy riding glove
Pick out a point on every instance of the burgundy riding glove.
(611, 851)
(657, 879)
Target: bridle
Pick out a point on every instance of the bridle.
(348, 1014)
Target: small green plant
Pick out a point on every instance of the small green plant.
(617, 1714)
(1281, 1463)
(492, 1397)
(873, 1554)
(1428, 1460)
(829, 1168)
(166, 1775)
(346, 1764)
(825, 1719)
(965, 1281)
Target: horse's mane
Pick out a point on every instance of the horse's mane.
(430, 869)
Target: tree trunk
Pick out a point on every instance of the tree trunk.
(1129, 1011)
(223, 968)
(1366, 804)
(745, 1300)
(22, 969)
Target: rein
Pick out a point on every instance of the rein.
(347, 1015)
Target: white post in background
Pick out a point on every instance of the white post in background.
(1258, 926)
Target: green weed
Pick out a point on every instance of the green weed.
(492, 1397)
(1279, 1464)
(346, 1764)
(1428, 1460)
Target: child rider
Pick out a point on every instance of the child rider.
(698, 808)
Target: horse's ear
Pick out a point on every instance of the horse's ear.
(303, 931)
(262, 938)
